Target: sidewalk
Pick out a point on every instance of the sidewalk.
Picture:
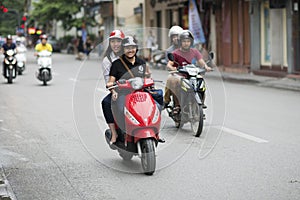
(290, 82)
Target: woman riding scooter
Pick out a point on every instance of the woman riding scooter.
(127, 66)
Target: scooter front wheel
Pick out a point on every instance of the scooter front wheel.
(148, 158)
(10, 76)
(197, 121)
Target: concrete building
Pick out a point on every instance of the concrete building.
(259, 36)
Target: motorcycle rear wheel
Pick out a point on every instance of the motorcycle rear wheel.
(148, 158)
(197, 121)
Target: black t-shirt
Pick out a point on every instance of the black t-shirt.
(6, 47)
(119, 71)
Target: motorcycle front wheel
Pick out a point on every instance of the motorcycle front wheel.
(44, 75)
(10, 76)
(148, 158)
(197, 120)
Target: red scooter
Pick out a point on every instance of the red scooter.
(142, 123)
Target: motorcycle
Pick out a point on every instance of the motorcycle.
(45, 64)
(159, 60)
(21, 59)
(10, 65)
(192, 89)
(142, 123)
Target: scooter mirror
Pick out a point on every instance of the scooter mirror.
(170, 56)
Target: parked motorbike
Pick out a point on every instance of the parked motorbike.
(45, 64)
(21, 59)
(159, 60)
(142, 123)
(192, 89)
(10, 65)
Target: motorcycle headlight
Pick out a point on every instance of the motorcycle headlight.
(137, 83)
(156, 115)
(20, 64)
(129, 116)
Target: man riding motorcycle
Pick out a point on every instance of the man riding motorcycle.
(7, 46)
(182, 56)
(43, 45)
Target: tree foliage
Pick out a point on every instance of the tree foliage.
(10, 21)
(45, 11)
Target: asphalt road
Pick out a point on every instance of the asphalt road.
(52, 144)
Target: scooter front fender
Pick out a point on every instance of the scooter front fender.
(197, 97)
(144, 133)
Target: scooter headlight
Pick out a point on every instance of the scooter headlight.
(137, 83)
(156, 115)
(20, 64)
(130, 117)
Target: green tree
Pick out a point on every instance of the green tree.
(11, 20)
(46, 11)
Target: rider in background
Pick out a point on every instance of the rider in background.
(7, 46)
(182, 56)
(174, 33)
(44, 45)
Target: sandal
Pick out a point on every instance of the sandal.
(176, 110)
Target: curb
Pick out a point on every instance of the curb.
(6, 192)
(270, 82)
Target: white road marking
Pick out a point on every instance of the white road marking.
(242, 135)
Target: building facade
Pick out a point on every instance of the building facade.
(259, 36)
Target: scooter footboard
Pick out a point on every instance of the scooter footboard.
(144, 133)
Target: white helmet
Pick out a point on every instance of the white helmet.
(129, 41)
(175, 30)
(117, 34)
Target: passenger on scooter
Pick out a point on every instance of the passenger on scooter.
(20, 44)
(182, 56)
(7, 46)
(174, 33)
(112, 53)
(126, 67)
